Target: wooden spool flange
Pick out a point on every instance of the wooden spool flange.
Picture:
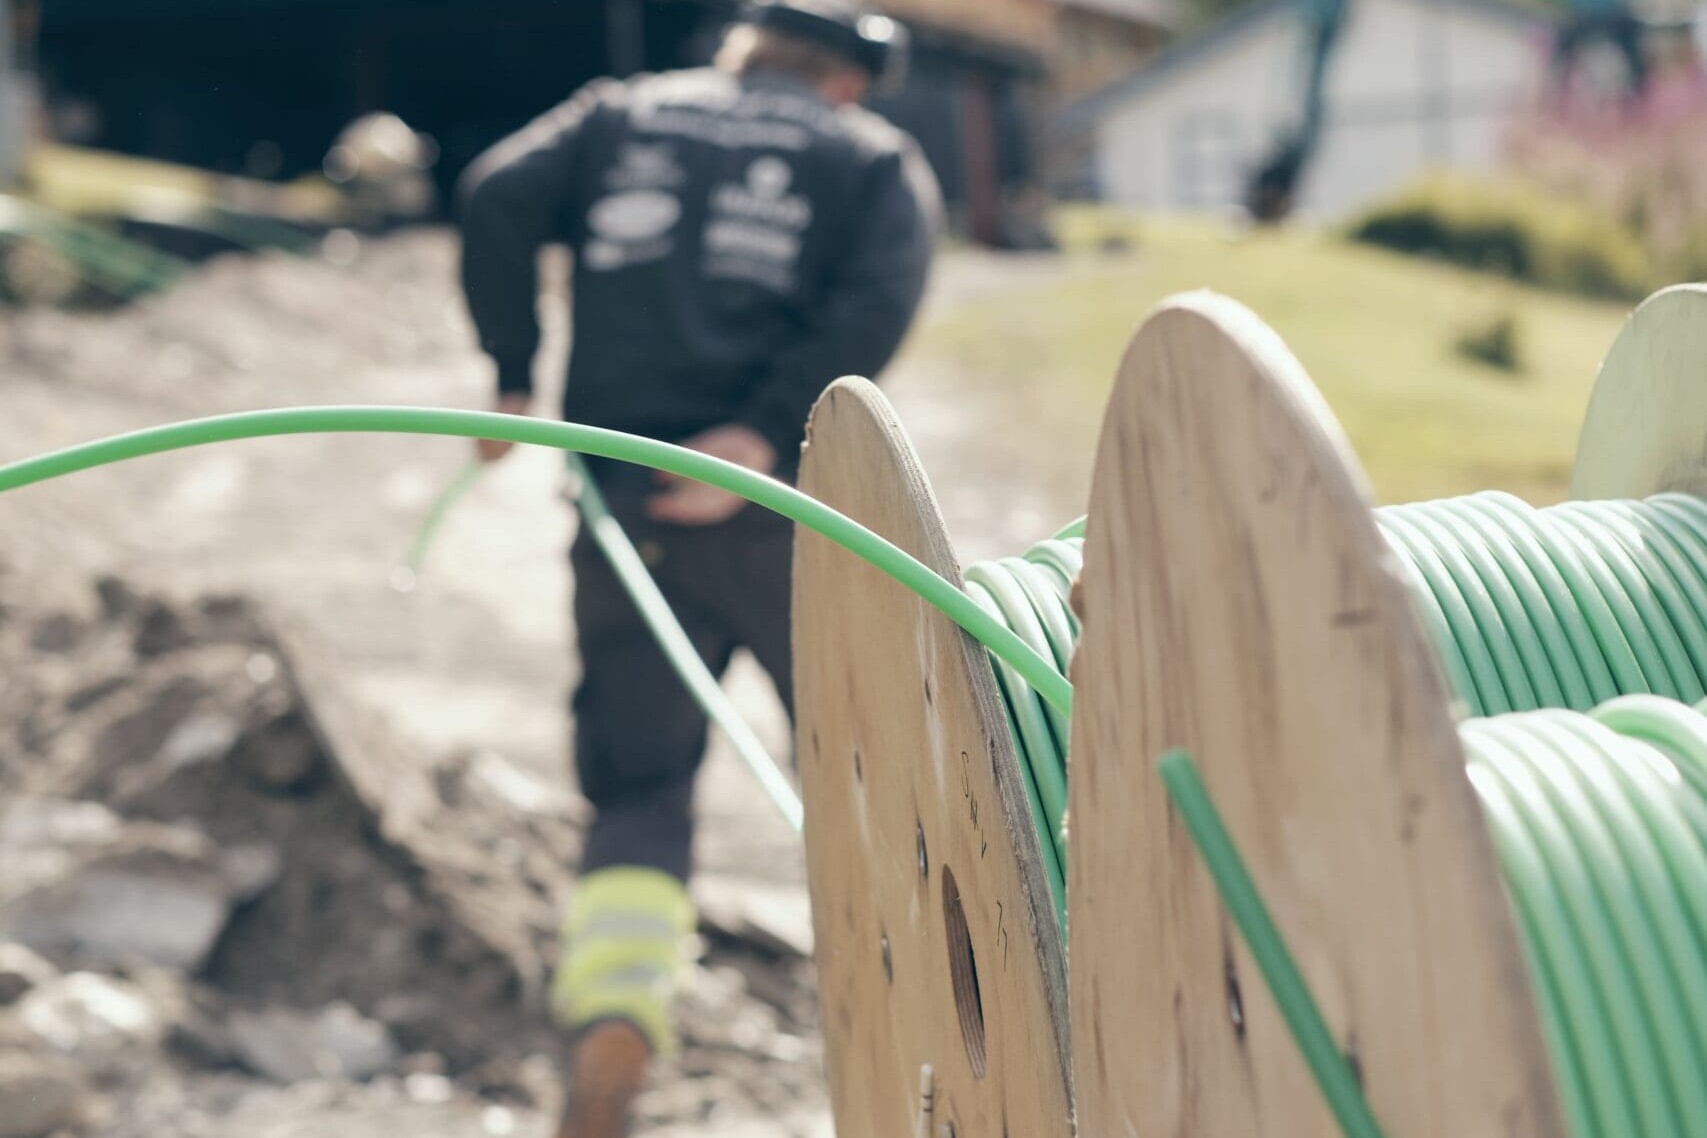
(1239, 601)
(1646, 428)
(936, 937)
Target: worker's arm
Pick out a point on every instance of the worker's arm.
(513, 200)
(871, 301)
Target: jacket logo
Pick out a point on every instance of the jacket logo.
(646, 166)
(638, 215)
(769, 178)
(763, 198)
(630, 228)
(755, 233)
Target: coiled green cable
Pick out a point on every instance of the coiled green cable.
(1598, 831)
(1599, 820)
(1031, 595)
(1562, 607)
(1599, 823)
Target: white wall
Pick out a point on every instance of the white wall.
(1415, 85)
(1184, 142)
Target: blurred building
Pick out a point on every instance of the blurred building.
(1098, 42)
(971, 99)
(264, 86)
(1412, 86)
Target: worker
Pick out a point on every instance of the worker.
(742, 235)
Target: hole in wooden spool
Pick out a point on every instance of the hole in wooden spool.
(888, 960)
(859, 768)
(924, 853)
(963, 973)
(1235, 999)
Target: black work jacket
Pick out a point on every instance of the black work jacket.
(738, 244)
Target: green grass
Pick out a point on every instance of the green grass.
(1375, 330)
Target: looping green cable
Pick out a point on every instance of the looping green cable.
(944, 595)
(437, 513)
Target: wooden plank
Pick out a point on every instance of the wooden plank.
(1238, 601)
(1646, 427)
(936, 938)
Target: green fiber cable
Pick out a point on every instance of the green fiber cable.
(767, 492)
(436, 514)
(654, 610)
(1239, 893)
(684, 658)
(1031, 668)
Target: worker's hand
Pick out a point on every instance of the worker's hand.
(491, 450)
(690, 503)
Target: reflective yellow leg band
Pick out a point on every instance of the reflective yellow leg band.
(622, 951)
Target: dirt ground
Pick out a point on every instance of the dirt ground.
(206, 649)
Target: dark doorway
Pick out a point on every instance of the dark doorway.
(264, 86)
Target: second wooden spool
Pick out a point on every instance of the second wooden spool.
(1239, 601)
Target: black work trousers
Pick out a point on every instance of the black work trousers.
(639, 736)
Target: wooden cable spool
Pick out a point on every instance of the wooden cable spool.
(1239, 601)
(937, 943)
(1646, 428)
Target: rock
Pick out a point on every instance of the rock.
(290, 1046)
(281, 755)
(87, 1015)
(199, 738)
(515, 788)
(118, 599)
(164, 910)
(56, 633)
(39, 1095)
(21, 971)
(775, 920)
(82, 883)
(250, 870)
(32, 824)
(160, 630)
(200, 1038)
(532, 1081)
(498, 1121)
(428, 1088)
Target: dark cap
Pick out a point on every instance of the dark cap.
(872, 42)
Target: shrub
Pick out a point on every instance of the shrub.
(1497, 342)
(1645, 163)
(1516, 229)
(1688, 262)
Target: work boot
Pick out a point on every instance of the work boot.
(607, 1073)
(614, 987)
